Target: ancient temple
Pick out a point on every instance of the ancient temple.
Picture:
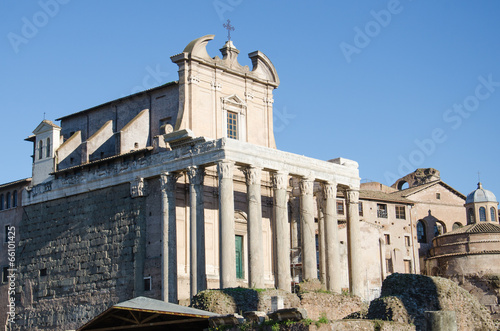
(175, 190)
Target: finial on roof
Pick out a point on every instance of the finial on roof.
(229, 28)
(479, 186)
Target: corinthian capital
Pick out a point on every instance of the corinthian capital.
(352, 196)
(329, 190)
(225, 169)
(306, 186)
(168, 180)
(280, 180)
(195, 175)
(252, 175)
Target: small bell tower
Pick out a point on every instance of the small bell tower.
(46, 139)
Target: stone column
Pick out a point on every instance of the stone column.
(197, 230)
(309, 263)
(169, 237)
(333, 272)
(227, 254)
(321, 237)
(354, 244)
(283, 277)
(254, 228)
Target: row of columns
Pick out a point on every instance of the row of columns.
(227, 267)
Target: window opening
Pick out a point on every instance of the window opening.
(239, 257)
(482, 214)
(421, 235)
(340, 207)
(381, 210)
(400, 212)
(232, 125)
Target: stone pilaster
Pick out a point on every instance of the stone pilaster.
(283, 277)
(354, 243)
(254, 228)
(169, 237)
(309, 263)
(332, 249)
(227, 254)
(197, 230)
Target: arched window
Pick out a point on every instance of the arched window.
(493, 214)
(421, 233)
(48, 147)
(1, 202)
(439, 229)
(14, 199)
(470, 216)
(40, 149)
(7, 202)
(482, 214)
(456, 225)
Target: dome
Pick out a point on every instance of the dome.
(480, 195)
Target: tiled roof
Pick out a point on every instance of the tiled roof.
(465, 253)
(119, 99)
(476, 228)
(25, 180)
(412, 190)
(381, 196)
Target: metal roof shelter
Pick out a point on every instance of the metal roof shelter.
(149, 314)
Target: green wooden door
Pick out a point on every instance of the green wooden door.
(239, 256)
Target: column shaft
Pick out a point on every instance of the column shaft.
(197, 230)
(333, 272)
(321, 238)
(283, 276)
(254, 228)
(227, 254)
(309, 263)
(354, 242)
(169, 237)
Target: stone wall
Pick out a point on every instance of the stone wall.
(77, 256)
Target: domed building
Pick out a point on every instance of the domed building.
(481, 206)
(473, 249)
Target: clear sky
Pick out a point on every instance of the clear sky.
(393, 85)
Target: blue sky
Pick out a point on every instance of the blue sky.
(393, 85)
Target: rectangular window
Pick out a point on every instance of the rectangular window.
(5, 273)
(360, 208)
(232, 125)
(147, 283)
(407, 241)
(239, 256)
(340, 207)
(381, 210)
(388, 266)
(387, 239)
(407, 266)
(400, 212)
(438, 196)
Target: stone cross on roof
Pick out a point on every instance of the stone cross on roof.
(229, 28)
